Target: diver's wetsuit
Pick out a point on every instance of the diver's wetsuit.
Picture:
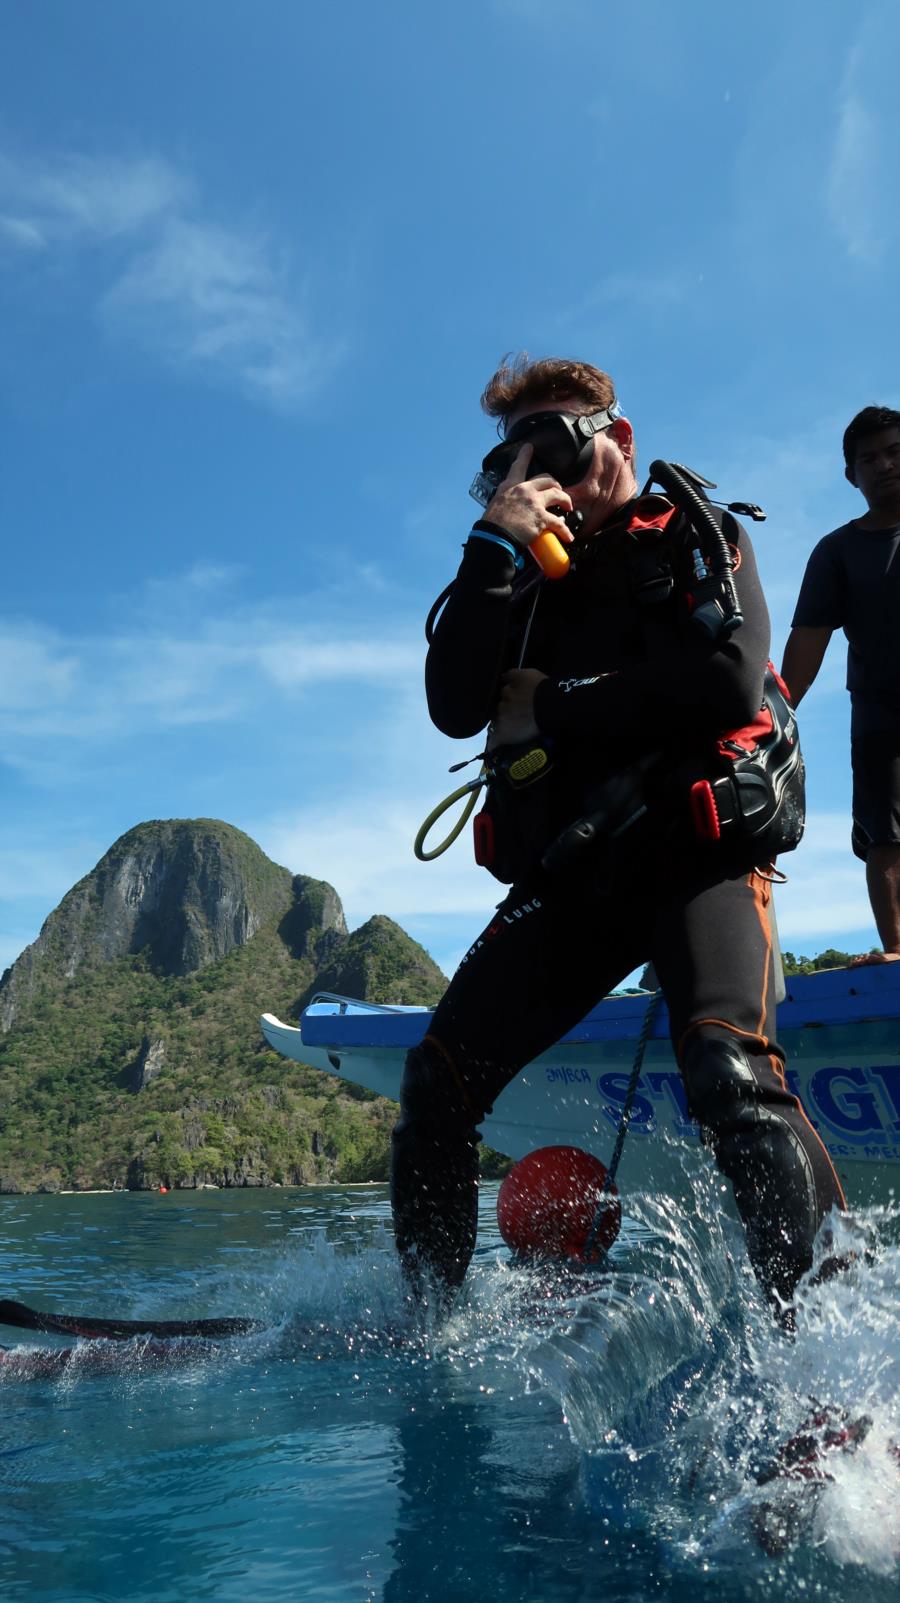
(619, 687)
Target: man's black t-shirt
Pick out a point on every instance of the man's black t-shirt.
(852, 582)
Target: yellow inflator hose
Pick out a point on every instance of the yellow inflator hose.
(471, 790)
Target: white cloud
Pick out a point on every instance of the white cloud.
(862, 172)
(649, 293)
(215, 300)
(87, 197)
(35, 669)
(826, 891)
(22, 233)
(848, 185)
(214, 668)
(293, 662)
(365, 849)
(208, 576)
(203, 296)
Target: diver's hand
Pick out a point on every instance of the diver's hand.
(514, 719)
(526, 507)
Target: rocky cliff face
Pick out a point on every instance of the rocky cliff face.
(185, 892)
(378, 962)
(131, 1052)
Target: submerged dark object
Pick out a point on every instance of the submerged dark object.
(799, 1473)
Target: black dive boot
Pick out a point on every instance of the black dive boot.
(784, 1185)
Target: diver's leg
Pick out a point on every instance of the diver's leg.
(434, 1171)
(713, 952)
(547, 956)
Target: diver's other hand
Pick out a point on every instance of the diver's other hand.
(514, 719)
(526, 507)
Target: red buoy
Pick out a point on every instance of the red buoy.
(548, 1203)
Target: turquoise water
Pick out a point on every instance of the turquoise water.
(559, 1439)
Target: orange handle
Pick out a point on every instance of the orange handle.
(550, 555)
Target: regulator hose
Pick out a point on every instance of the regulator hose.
(717, 610)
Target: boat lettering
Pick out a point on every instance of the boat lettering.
(671, 1085)
(857, 1103)
(615, 1086)
(562, 1074)
(889, 1075)
(845, 1109)
(855, 1108)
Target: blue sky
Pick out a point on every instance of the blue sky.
(257, 261)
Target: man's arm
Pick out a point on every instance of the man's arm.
(803, 656)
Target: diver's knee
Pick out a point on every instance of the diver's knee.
(431, 1095)
(718, 1078)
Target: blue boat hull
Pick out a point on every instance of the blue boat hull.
(840, 1029)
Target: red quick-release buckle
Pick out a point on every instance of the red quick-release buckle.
(704, 810)
(483, 839)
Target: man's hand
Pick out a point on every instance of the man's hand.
(523, 506)
(514, 719)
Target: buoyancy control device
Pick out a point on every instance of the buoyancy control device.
(746, 792)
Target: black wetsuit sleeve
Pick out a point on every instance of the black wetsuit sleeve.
(469, 647)
(707, 686)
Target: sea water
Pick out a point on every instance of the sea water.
(560, 1437)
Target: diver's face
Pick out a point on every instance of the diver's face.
(609, 480)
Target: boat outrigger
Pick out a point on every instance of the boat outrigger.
(840, 1029)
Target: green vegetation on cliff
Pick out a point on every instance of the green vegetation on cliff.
(133, 1055)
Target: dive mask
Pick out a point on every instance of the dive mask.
(562, 445)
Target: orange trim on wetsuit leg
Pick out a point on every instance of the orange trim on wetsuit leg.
(778, 1071)
(761, 896)
(761, 902)
(720, 1024)
(760, 892)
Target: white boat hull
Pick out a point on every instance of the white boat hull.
(841, 1032)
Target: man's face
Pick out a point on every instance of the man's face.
(876, 470)
(609, 481)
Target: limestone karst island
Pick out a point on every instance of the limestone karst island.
(130, 1052)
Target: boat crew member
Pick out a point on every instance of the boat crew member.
(852, 582)
(603, 673)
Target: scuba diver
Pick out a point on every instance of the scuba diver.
(626, 704)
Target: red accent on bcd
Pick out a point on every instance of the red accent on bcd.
(483, 839)
(749, 737)
(657, 522)
(704, 810)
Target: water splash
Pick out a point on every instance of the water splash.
(675, 1382)
(678, 1385)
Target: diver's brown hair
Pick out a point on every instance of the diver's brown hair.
(520, 382)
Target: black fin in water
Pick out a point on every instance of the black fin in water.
(19, 1315)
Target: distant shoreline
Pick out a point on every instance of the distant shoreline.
(154, 1191)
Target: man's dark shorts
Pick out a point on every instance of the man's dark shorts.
(876, 790)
